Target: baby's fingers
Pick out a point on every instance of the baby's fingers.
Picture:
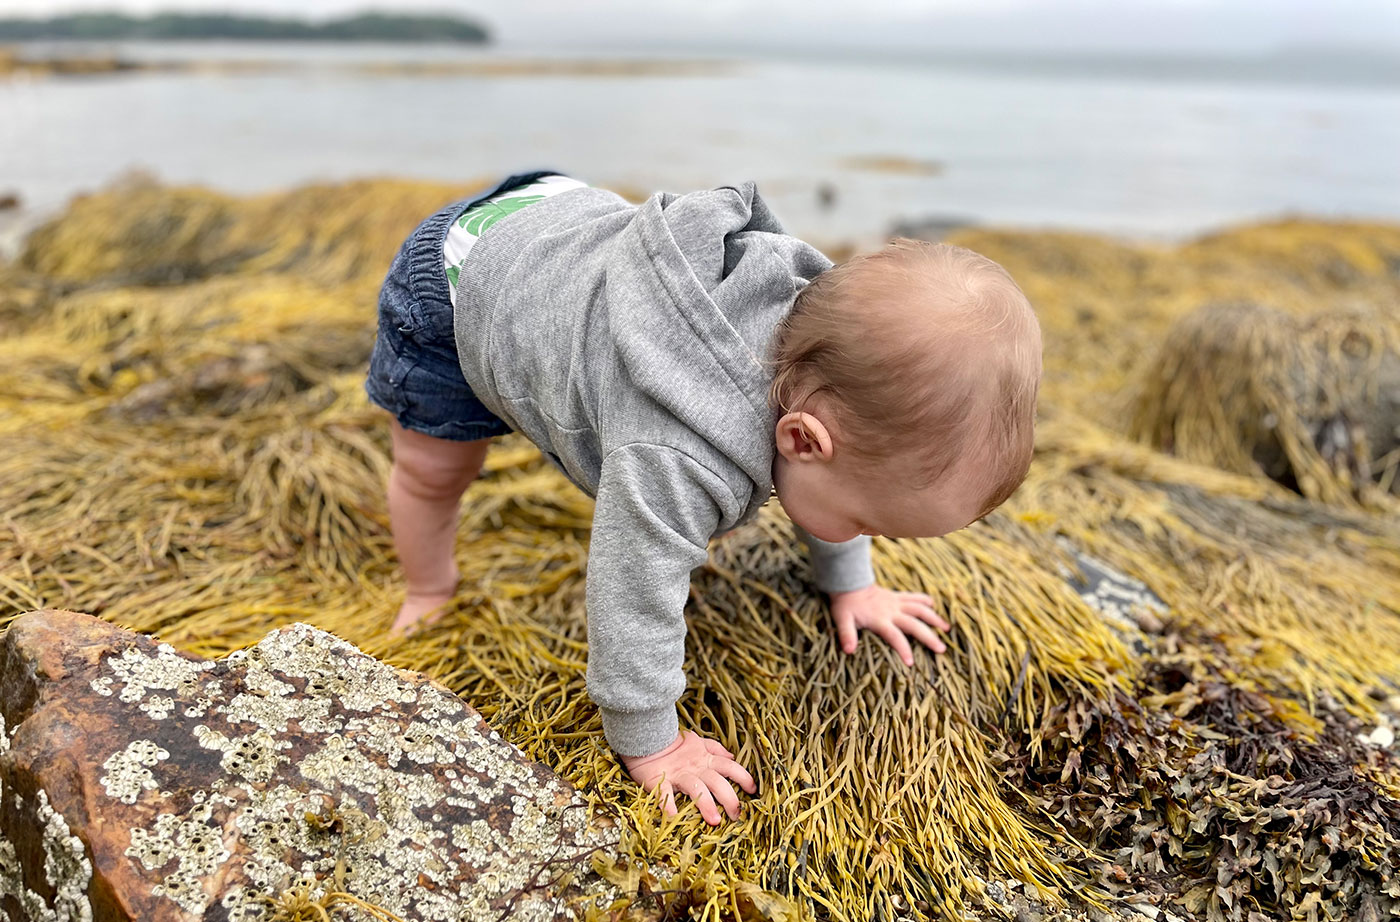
(699, 793)
(846, 631)
(891, 632)
(722, 792)
(715, 747)
(921, 632)
(738, 773)
(668, 798)
(927, 613)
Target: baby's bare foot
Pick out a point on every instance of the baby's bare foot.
(419, 611)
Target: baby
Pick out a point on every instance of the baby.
(682, 360)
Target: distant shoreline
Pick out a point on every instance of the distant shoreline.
(1300, 66)
(13, 63)
(363, 27)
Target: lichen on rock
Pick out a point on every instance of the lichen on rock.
(300, 760)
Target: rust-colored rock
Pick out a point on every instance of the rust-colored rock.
(140, 783)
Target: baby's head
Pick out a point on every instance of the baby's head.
(905, 384)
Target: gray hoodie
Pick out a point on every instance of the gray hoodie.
(629, 342)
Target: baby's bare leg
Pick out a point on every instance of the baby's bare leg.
(425, 488)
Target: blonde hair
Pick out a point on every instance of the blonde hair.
(918, 339)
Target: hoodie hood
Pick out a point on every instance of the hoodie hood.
(732, 275)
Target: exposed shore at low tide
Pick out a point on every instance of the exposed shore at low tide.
(190, 452)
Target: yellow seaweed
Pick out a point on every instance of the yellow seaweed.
(188, 451)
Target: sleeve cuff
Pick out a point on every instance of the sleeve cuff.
(840, 566)
(640, 733)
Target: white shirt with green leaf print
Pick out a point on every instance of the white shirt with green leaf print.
(463, 233)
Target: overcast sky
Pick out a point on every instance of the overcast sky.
(1118, 25)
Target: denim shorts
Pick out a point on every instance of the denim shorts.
(413, 370)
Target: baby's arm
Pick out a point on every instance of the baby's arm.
(656, 510)
(843, 571)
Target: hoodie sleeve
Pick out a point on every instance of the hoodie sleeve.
(839, 566)
(656, 512)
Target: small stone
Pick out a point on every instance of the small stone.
(1149, 621)
(1382, 736)
(1145, 909)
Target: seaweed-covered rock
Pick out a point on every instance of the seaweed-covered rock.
(137, 782)
(1313, 402)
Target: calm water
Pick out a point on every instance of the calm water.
(1162, 153)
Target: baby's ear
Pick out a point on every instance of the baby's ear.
(802, 437)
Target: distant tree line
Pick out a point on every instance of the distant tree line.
(363, 27)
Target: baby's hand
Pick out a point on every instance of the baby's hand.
(696, 767)
(889, 614)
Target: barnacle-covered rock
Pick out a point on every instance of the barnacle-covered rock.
(137, 782)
